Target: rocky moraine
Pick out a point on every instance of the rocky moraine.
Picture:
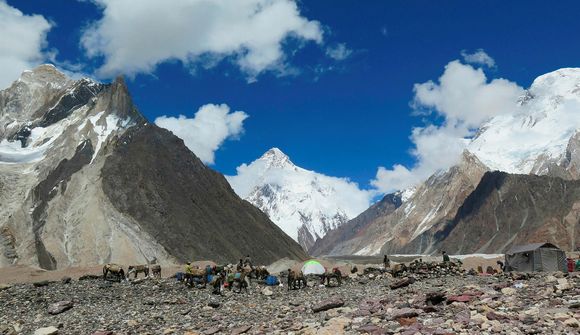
(371, 303)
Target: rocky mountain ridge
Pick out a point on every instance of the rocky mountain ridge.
(540, 138)
(59, 141)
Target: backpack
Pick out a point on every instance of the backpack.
(272, 281)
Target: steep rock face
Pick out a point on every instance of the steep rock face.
(434, 201)
(55, 136)
(305, 204)
(567, 167)
(331, 243)
(190, 209)
(402, 230)
(510, 209)
(55, 182)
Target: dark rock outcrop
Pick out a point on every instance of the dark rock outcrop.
(506, 210)
(187, 207)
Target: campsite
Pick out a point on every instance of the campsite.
(369, 301)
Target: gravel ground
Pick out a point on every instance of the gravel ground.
(432, 304)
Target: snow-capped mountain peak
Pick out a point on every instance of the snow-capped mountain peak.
(305, 204)
(536, 135)
(275, 158)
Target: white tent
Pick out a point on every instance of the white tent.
(313, 267)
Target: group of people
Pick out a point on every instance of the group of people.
(573, 265)
(222, 276)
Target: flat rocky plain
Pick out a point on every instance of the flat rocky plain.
(540, 303)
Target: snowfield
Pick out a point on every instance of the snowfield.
(539, 131)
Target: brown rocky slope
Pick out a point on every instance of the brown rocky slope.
(189, 208)
(510, 209)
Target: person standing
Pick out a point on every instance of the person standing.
(501, 265)
(248, 262)
(445, 257)
(386, 262)
(188, 274)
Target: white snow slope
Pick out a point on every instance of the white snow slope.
(540, 129)
(305, 204)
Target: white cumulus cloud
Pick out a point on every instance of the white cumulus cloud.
(464, 99)
(22, 40)
(479, 57)
(135, 37)
(207, 130)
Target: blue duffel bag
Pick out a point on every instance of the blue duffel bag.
(272, 281)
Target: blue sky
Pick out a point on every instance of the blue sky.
(341, 117)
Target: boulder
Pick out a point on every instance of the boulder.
(41, 283)
(241, 330)
(405, 322)
(213, 304)
(46, 331)
(267, 291)
(212, 330)
(496, 316)
(508, 290)
(434, 298)
(326, 305)
(402, 283)
(459, 298)
(60, 307)
(563, 284)
(335, 326)
(572, 322)
(406, 313)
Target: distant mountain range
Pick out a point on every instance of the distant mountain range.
(468, 208)
(86, 179)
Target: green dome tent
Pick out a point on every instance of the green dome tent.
(313, 267)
